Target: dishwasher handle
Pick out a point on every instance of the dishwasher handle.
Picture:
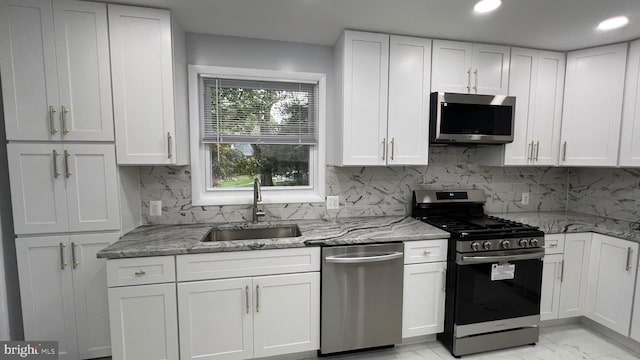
(363, 259)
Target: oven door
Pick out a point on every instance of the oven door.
(480, 299)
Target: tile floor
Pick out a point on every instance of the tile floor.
(566, 342)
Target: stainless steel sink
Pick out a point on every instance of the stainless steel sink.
(283, 231)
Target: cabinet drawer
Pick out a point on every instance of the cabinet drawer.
(138, 271)
(553, 244)
(247, 263)
(425, 251)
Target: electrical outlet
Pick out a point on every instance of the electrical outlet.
(525, 199)
(155, 208)
(333, 202)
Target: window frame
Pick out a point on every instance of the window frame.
(200, 154)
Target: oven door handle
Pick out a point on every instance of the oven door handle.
(363, 259)
(529, 255)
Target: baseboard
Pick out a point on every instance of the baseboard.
(611, 335)
(558, 322)
(418, 339)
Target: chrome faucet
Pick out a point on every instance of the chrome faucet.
(257, 197)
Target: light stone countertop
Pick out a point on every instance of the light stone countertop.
(557, 222)
(157, 240)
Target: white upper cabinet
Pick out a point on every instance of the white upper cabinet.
(537, 82)
(630, 139)
(409, 79)
(362, 65)
(470, 68)
(382, 100)
(149, 86)
(54, 62)
(60, 188)
(612, 276)
(593, 106)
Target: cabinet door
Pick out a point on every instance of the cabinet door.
(46, 292)
(92, 187)
(546, 116)
(409, 82)
(144, 322)
(38, 194)
(451, 67)
(611, 280)
(522, 85)
(635, 321)
(490, 67)
(629, 141)
(84, 75)
(423, 299)
(90, 293)
(28, 70)
(216, 319)
(593, 106)
(366, 82)
(573, 290)
(142, 78)
(287, 314)
(551, 280)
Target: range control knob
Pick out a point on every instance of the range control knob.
(533, 242)
(475, 246)
(486, 245)
(524, 243)
(505, 244)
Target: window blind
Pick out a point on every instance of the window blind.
(258, 112)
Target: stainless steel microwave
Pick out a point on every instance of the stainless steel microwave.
(471, 119)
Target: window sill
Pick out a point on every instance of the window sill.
(217, 199)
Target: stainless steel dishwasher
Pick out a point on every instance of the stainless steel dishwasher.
(361, 297)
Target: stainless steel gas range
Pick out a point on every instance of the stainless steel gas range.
(494, 273)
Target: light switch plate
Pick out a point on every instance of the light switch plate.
(333, 202)
(155, 208)
(525, 199)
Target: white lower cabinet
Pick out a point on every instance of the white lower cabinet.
(551, 282)
(565, 275)
(144, 322)
(635, 320)
(248, 317)
(612, 276)
(423, 299)
(63, 292)
(424, 287)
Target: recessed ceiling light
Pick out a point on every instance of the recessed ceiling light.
(613, 23)
(485, 6)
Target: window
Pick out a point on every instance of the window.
(256, 124)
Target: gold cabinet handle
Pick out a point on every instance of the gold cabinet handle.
(169, 146)
(393, 145)
(444, 279)
(73, 255)
(629, 252)
(530, 152)
(564, 151)
(537, 149)
(426, 252)
(384, 147)
(63, 120)
(66, 163)
(140, 273)
(246, 296)
(56, 173)
(469, 80)
(561, 271)
(257, 298)
(63, 264)
(476, 76)
(52, 111)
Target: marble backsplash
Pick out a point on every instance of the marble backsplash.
(613, 193)
(369, 191)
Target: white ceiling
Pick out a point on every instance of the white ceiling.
(546, 24)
